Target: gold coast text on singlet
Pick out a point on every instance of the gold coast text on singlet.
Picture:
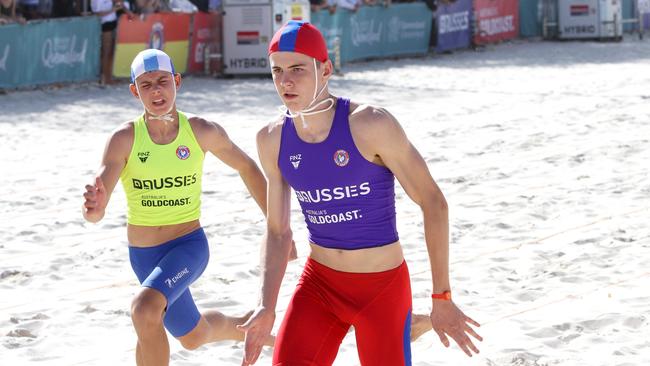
(163, 182)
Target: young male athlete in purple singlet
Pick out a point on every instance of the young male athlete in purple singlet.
(341, 158)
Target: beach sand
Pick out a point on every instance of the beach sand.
(541, 150)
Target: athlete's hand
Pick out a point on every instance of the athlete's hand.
(95, 201)
(448, 320)
(293, 252)
(257, 328)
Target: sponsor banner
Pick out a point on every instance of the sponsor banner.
(11, 48)
(49, 51)
(530, 18)
(453, 20)
(635, 9)
(496, 20)
(367, 29)
(206, 37)
(169, 32)
(333, 27)
(629, 12)
(374, 31)
(408, 29)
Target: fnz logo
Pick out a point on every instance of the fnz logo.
(295, 160)
(143, 156)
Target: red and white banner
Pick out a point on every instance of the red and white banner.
(206, 36)
(496, 20)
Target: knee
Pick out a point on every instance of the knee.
(196, 337)
(147, 311)
(190, 343)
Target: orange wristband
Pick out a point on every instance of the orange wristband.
(446, 295)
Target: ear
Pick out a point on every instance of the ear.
(327, 69)
(134, 90)
(177, 79)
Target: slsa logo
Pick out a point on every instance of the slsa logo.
(341, 158)
(295, 160)
(183, 152)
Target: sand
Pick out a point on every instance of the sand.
(541, 150)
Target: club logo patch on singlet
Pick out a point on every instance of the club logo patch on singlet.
(183, 152)
(341, 158)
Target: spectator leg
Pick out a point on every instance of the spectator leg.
(107, 57)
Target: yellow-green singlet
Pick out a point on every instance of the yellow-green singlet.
(163, 182)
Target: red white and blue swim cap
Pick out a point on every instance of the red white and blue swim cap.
(301, 37)
(150, 60)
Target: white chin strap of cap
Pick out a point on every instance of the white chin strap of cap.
(167, 116)
(310, 110)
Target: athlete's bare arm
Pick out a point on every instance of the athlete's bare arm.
(381, 139)
(213, 138)
(116, 153)
(275, 246)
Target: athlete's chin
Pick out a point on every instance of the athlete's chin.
(294, 105)
(159, 109)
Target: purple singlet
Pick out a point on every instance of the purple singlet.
(348, 202)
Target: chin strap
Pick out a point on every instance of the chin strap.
(311, 110)
(167, 117)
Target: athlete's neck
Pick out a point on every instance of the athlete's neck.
(171, 116)
(162, 124)
(317, 122)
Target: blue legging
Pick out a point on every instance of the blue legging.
(171, 268)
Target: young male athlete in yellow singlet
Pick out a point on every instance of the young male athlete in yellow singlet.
(159, 159)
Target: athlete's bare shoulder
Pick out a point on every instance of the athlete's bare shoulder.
(201, 125)
(121, 139)
(210, 135)
(271, 132)
(369, 119)
(124, 130)
(199, 122)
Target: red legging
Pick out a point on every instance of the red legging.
(327, 302)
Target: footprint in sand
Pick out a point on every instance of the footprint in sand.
(585, 241)
(57, 263)
(118, 312)
(26, 331)
(598, 324)
(21, 333)
(13, 277)
(635, 322)
(8, 273)
(88, 309)
(38, 316)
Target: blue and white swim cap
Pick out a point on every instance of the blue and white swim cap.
(151, 60)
